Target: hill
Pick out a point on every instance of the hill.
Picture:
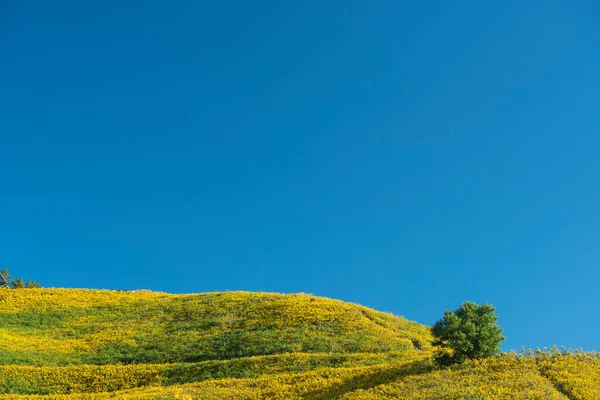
(67, 326)
(75, 344)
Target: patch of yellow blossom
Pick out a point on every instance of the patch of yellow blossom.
(324, 383)
(104, 378)
(13, 301)
(577, 375)
(13, 341)
(494, 378)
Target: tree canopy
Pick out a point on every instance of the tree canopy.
(470, 332)
(7, 281)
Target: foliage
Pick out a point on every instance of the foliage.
(576, 374)
(7, 281)
(322, 383)
(536, 374)
(88, 344)
(5, 278)
(492, 378)
(100, 378)
(74, 326)
(471, 332)
(496, 378)
(19, 283)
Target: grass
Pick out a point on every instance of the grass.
(58, 327)
(90, 344)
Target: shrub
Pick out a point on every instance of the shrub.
(471, 332)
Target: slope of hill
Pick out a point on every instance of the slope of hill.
(76, 344)
(68, 326)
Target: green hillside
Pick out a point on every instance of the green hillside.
(76, 344)
(62, 326)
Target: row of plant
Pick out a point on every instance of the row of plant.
(491, 378)
(19, 379)
(574, 373)
(320, 384)
(510, 376)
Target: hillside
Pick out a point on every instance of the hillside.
(75, 344)
(65, 326)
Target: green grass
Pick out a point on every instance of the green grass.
(192, 328)
(85, 344)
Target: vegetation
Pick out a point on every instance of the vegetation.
(89, 344)
(65, 326)
(7, 281)
(469, 333)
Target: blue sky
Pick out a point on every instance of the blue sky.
(403, 155)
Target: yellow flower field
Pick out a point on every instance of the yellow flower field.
(88, 344)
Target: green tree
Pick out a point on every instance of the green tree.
(18, 283)
(32, 284)
(7, 281)
(5, 278)
(471, 332)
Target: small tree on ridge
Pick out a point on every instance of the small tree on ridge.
(471, 332)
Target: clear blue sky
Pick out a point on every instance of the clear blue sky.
(403, 155)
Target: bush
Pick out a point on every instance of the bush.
(471, 332)
(7, 281)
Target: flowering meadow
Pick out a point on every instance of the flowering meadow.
(91, 344)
